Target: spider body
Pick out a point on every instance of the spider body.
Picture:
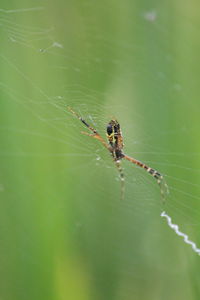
(115, 139)
(115, 146)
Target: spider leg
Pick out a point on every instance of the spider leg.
(164, 189)
(121, 175)
(82, 120)
(94, 133)
(98, 137)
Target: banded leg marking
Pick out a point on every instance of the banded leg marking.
(159, 178)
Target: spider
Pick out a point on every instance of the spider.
(115, 147)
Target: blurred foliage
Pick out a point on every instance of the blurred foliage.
(64, 233)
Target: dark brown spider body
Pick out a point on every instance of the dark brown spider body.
(115, 139)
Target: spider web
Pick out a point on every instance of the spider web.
(133, 68)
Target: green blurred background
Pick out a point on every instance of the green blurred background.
(64, 232)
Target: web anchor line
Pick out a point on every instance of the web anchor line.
(178, 232)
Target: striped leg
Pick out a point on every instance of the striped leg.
(121, 175)
(82, 120)
(160, 179)
(94, 134)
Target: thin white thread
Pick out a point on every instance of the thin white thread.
(7, 11)
(176, 229)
